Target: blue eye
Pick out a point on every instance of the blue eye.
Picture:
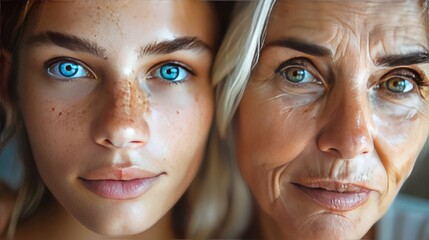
(172, 72)
(297, 75)
(68, 69)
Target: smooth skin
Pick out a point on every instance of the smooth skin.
(115, 85)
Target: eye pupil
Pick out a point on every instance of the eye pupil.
(396, 85)
(68, 69)
(170, 72)
(295, 75)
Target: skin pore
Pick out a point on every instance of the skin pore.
(117, 103)
(334, 115)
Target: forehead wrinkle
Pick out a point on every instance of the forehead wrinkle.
(399, 33)
(375, 33)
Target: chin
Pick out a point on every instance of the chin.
(331, 226)
(117, 222)
(118, 228)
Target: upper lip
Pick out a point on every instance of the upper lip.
(336, 186)
(119, 173)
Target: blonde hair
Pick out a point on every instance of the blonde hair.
(237, 56)
(32, 188)
(225, 196)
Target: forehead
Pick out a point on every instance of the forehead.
(389, 26)
(130, 19)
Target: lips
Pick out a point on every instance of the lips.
(119, 183)
(335, 196)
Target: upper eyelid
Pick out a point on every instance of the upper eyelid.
(55, 60)
(308, 65)
(296, 61)
(173, 62)
(416, 76)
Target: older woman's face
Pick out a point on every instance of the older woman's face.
(117, 102)
(335, 114)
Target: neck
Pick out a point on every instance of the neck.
(51, 213)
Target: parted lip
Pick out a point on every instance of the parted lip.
(334, 195)
(335, 186)
(120, 183)
(119, 173)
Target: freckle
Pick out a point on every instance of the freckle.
(177, 112)
(53, 109)
(164, 159)
(60, 113)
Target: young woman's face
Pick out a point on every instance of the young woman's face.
(335, 113)
(117, 103)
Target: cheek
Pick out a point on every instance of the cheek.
(179, 129)
(399, 146)
(55, 130)
(269, 138)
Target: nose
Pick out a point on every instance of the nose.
(346, 133)
(121, 122)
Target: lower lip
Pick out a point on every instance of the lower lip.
(120, 189)
(336, 201)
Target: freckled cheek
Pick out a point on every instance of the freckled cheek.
(53, 130)
(182, 128)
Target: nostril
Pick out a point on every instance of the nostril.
(335, 152)
(107, 143)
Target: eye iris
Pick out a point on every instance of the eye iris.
(295, 74)
(170, 72)
(68, 69)
(396, 85)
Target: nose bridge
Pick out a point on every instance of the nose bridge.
(122, 122)
(346, 132)
(354, 115)
(129, 100)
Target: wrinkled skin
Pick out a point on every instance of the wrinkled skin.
(326, 135)
(118, 111)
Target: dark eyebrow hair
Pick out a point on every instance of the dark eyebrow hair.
(403, 60)
(302, 46)
(68, 41)
(169, 46)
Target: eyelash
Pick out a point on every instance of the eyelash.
(408, 74)
(300, 62)
(412, 76)
(51, 68)
(152, 71)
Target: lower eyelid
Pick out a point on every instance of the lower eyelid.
(50, 63)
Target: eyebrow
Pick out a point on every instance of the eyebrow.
(302, 46)
(68, 41)
(169, 46)
(403, 60)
